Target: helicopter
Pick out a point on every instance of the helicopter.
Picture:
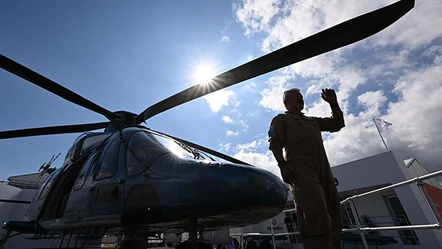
(130, 179)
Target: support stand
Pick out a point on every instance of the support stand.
(5, 237)
(193, 233)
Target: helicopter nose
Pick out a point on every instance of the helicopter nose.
(210, 189)
(248, 186)
(243, 193)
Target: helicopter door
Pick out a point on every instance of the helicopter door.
(106, 190)
(76, 204)
(40, 197)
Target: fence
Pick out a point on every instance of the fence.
(358, 226)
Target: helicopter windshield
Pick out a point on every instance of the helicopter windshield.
(179, 149)
(144, 147)
(175, 147)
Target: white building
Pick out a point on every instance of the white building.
(28, 181)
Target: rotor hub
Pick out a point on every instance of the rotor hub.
(125, 117)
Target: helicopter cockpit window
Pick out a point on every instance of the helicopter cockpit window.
(48, 184)
(109, 164)
(81, 144)
(142, 150)
(69, 156)
(43, 186)
(88, 142)
(179, 149)
(172, 146)
(82, 176)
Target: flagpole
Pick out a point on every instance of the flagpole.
(380, 134)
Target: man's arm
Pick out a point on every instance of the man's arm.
(277, 153)
(277, 142)
(276, 138)
(336, 121)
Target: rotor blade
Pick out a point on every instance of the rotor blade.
(335, 37)
(51, 86)
(52, 130)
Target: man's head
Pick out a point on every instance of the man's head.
(293, 100)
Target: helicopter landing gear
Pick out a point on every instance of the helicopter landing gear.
(193, 242)
(193, 233)
(5, 237)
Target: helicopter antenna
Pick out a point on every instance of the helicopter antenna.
(45, 167)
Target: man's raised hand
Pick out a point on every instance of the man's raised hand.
(329, 96)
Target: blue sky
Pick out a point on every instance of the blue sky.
(129, 55)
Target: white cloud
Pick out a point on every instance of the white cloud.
(417, 116)
(372, 102)
(252, 153)
(220, 99)
(232, 133)
(250, 58)
(264, 161)
(227, 119)
(416, 119)
(244, 125)
(294, 20)
(225, 146)
(418, 27)
(252, 146)
(225, 38)
(272, 96)
(240, 123)
(256, 15)
(250, 86)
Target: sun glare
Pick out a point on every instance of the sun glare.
(203, 73)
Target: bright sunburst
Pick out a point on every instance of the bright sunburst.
(203, 73)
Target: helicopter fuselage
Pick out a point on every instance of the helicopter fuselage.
(138, 177)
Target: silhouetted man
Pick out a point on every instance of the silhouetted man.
(304, 165)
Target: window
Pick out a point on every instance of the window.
(81, 179)
(91, 141)
(109, 164)
(43, 186)
(173, 146)
(45, 190)
(141, 152)
(69, 156)
(400, 218)
(144, 147)
(179, 149)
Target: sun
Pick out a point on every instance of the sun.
(203, 73)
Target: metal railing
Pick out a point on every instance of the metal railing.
(359, 228)
(419, 182)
